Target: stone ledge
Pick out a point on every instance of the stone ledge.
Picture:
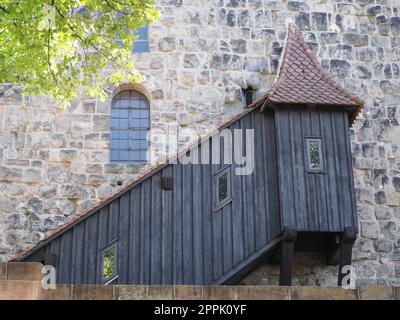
(92, 292)
(30, 271)
(322, 293)
(32, 290)
(16, 290)
(377, 292)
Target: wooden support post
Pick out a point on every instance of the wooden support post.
(288, 241)
(348, 237)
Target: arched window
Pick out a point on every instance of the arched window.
(130, 123)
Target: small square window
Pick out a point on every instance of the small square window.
(222, 188)
(109, 263)
(314, 154)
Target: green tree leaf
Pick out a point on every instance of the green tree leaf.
(56, 47)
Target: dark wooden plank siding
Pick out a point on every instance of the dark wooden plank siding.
(315, 201)
(177, 236)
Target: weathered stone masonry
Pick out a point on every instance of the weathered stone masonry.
(55, 163)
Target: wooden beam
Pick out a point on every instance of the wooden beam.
(348, 237)
(288, 240)
(333, 250)
(240, 271)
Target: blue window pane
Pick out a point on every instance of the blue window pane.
(114, 123)
(123, 144)
(143, 33)
(138, 155)
(114, 134)
(141, 46)
(114, 155)
(136, 123)
(139, 144)
(114, 144)
(139, 135)
(115, 113)
(144, 114)
(125, 104)
(124, 134)
(135, 114)
(123, 123)
(123, 155)
(123, 114)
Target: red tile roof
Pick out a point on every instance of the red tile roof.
(302, 80)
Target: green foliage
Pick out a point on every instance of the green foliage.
(315, 161)
(108, 264)
(56, 47)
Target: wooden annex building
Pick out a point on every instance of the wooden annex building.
(204, 224)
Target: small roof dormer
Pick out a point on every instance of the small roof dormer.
(302, 80)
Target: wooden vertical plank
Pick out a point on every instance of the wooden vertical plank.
(260, 207)
(145, 239)
(123, 243)
(167, 228)
(346, 172)
(311, 214)
(113, 220)
(286, 267)
(178, 227)
(198, 233)
(101, 241)
(351, 173)
(216, 229)
(156, 223)
(187, 221)
(298, 167)
(78, 252)
(284, 167)
(65, 257)
(227, 245)
(134, 237)
(237, 212)
(271, 165)
(323, 212)
(266, 143)
(91, 253)
(332, 200)
(207, 191)
(336, 169)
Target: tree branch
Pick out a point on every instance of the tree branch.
(4, 9)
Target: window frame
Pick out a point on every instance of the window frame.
(130, 130)
(321, 167)
(219, 204)
(113, 245)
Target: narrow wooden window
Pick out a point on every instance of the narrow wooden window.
(222, 188)
(314, 154)
(109, 264)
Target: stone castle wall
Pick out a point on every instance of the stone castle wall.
(55, 163)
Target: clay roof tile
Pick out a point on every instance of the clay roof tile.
(302, 80)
